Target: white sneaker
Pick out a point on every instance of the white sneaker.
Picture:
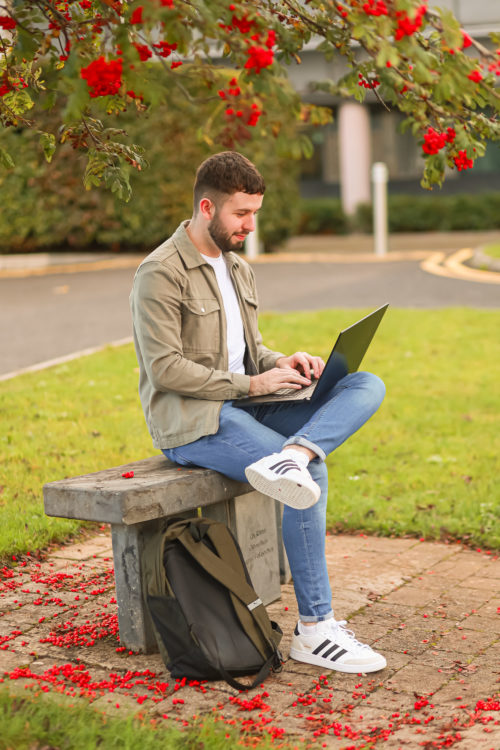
(280, 476)
(332, 646)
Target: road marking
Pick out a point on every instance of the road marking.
(452, 267)
(455, 263)
(64, 358)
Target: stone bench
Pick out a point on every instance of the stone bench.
(159, 490)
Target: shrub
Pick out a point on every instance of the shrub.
(413, 213)
(321, 216)
(45, 206)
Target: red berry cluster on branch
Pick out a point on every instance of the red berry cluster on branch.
(371, 83)
(260, 53)
(408, 26)
(103, 78)
(7, 23)
(435, 141)
(462, 161)
(375, 8)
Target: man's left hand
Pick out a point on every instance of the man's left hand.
(304, 363)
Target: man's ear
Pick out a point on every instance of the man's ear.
(207, 209)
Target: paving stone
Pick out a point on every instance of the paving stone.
(491, 569)
(491, 609)
(454, 694)
(100, 545)
(479, 738)
(467, 642)
(13, 660)
(479, 582)
(411, 595)
(415, 677)
(461, 566)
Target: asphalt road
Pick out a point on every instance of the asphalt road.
(45, 317)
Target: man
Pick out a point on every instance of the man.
(194, 307)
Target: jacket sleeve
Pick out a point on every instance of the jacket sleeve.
(156, 313)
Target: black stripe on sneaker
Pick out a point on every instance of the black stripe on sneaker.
(339, 654)
(323, 645)
(283, 466)
(330, 650)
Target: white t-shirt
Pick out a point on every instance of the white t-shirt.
(234, 322)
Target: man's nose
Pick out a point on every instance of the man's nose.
(249, 223)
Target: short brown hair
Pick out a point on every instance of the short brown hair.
(226, 173)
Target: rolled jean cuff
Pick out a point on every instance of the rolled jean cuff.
(298, 440)
(316, 618)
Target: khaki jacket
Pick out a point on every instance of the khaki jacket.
(180, 340)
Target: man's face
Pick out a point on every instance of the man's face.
(233, 220)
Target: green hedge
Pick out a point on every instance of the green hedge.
(408, 213)
(322, 216)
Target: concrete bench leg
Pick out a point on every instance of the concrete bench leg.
(285, 572)
(136, 630)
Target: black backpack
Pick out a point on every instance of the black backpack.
(208, 621)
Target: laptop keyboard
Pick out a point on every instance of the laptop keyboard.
(292, 394)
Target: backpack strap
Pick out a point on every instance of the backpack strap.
(231, 574)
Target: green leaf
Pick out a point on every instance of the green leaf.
(48, 143)
(28, 43)
(6, 159)
(117, 178)
(451, 30)
(19, 101)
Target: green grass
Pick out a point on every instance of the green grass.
(492, 250)
(427, 464)
(44, 723)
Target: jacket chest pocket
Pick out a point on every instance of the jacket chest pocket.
(250, 304)
(200, 325)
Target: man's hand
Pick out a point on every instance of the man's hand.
(290, 372)
(303, 362)
(275, 379)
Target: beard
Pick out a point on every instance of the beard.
(222, 239)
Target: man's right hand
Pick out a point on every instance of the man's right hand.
(275, 379)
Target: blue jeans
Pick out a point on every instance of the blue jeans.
(246, 435)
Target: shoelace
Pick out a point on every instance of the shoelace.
(341, 626)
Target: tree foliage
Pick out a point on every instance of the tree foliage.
(90, 60)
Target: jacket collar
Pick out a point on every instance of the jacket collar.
(190, 255)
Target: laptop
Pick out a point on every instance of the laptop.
(345, 357)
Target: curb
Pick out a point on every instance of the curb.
(43, 266)
(483, 261)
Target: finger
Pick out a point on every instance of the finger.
(295, 377)
(304, 362)
(318, 366)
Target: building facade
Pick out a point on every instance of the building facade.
(362, 134)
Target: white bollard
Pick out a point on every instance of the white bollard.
(380, 223)
(252, 244)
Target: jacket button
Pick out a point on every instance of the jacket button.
(203, 309)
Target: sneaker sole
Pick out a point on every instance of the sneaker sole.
(285, 490)
(318, 661)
